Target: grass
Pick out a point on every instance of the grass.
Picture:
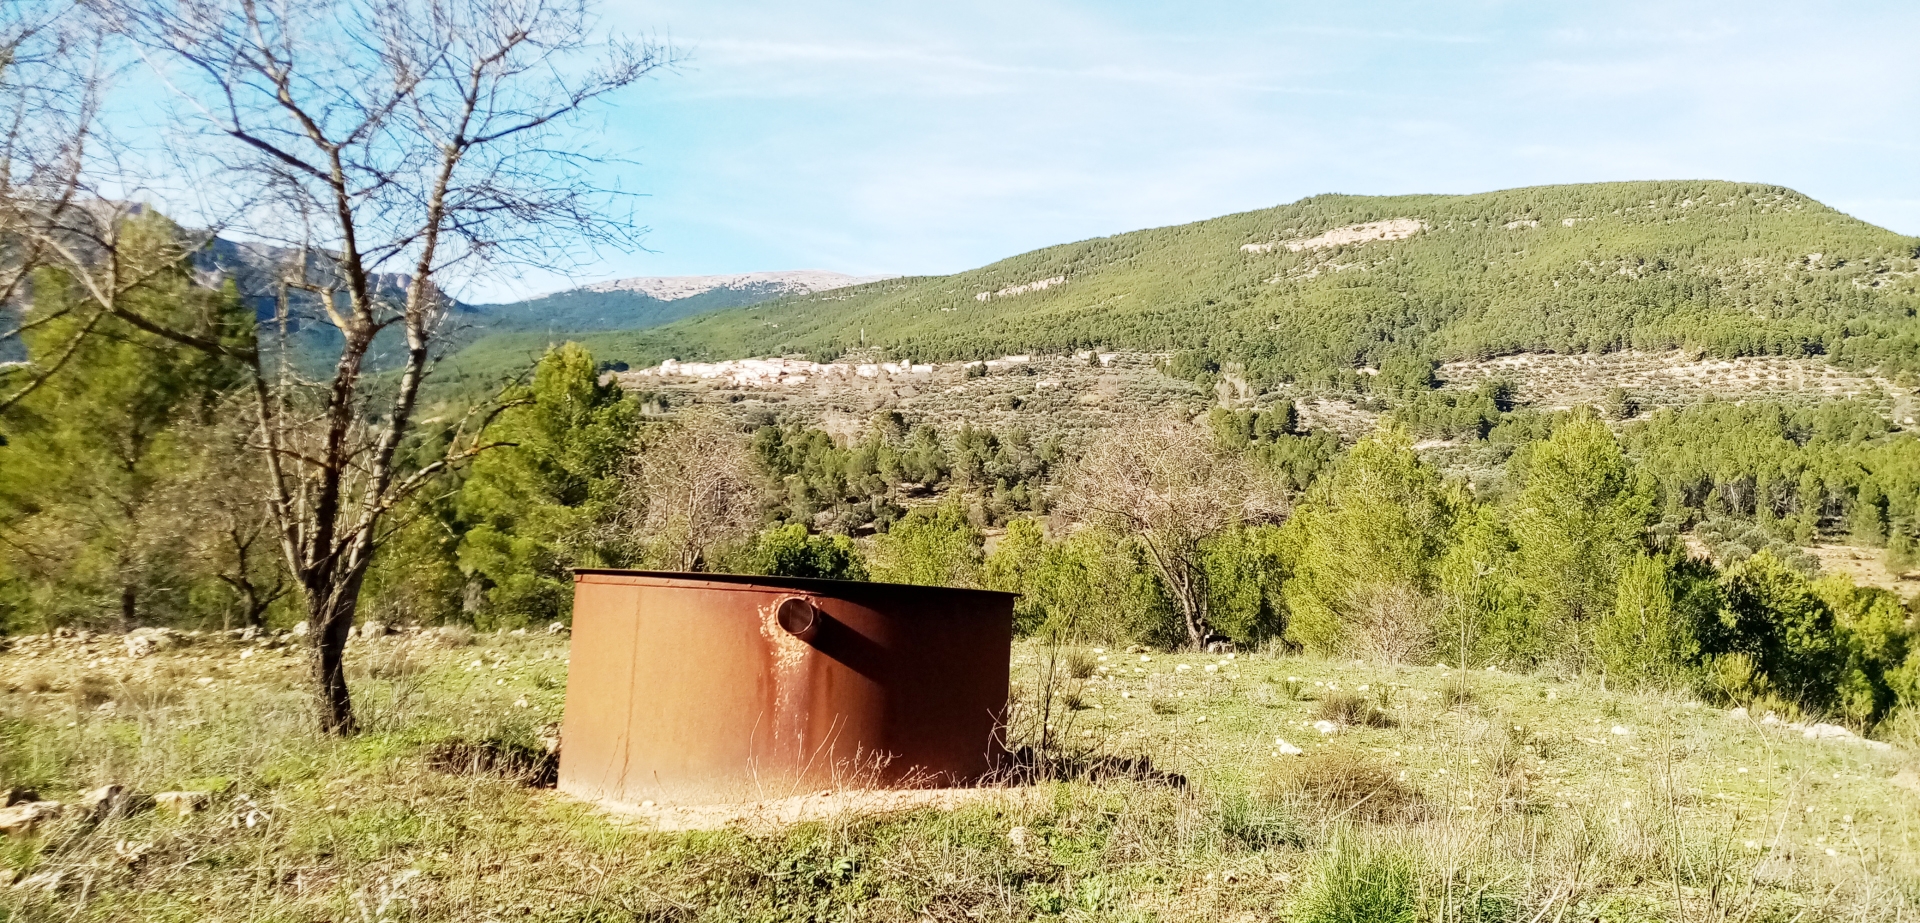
(1520, 805)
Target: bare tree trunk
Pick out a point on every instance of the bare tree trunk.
(330, 609)
(437, 144)
(129, 607)
(1180, 570)
(255, 608)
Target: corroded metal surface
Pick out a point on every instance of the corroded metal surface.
(713, 687)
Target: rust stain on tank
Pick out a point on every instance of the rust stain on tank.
(715, 687)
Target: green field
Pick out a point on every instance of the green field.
(1488, 797)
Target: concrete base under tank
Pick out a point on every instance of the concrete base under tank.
(775, 814)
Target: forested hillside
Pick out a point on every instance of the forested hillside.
(1724, 268)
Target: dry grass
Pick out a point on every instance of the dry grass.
(1354, 709)
(1523, 807)
(1343, 784)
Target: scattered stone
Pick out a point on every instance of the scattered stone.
(518, 632)
(1019, 836)
(105, 801)
(300, 629)
(182, 803)
(21, 819)
(1738, 714)
(1620, 731)
(133, 855)
(1325, 727)
(48, 881)
(1824, 731)
(370, 630)
(1283, 748)
(144, 642)
(557, 628)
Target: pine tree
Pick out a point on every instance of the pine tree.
(1370, 536)
(87, 456)
(544, 501)
(1581, 517)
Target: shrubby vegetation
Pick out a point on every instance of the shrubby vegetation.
(106, 468)
(1658, 549)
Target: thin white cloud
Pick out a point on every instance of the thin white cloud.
(871, 138)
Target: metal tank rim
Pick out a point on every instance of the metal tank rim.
(816, 585)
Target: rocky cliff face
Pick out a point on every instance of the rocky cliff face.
(770, 284)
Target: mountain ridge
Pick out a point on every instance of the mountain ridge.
(1722, 268)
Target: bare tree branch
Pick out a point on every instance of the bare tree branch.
(367, 136)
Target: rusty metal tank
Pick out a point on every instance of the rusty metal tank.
(703, 688)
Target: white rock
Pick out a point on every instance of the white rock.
(300, 629)
(21, 819)
(1325, 727)
(1018, 836)
(182, 803)
(1619, 731)
(561, 628)
(144, 641)
(373, 630)
(48, 881)
(1738, 714)
(1826, 731)
(104, 801)
(1281, 746)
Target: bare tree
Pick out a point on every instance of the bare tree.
(393, 145)
(693, 490)
(51, 80)
(217, 509)
(1168, 486)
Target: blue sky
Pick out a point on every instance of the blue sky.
(929, 138)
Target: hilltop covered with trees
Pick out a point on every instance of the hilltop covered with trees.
(1726, 269)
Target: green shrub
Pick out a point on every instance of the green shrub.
(1091, 585)
(930, 546)
(1773, 615)
(1361, 883)
(788, 551)
(1652, 636)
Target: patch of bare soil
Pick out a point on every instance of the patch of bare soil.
(1866, 567)
(1667, 379)
(1070, 396)
(772, 815)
